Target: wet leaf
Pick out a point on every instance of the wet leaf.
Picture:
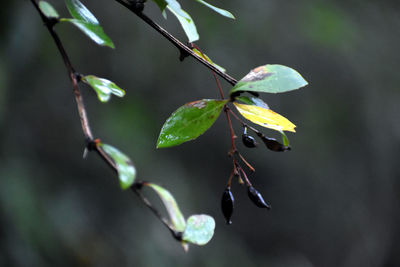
(87, 23)
(125, 168)
(48, 10)
(251, 100)
(189, 122)
(187, 24)
(270, 79)
(176, 8)
(285, 139)
(93, 31)
(104, 88)
(221, 11)
(206, 58)
(265, 117)
(177, 219)
(199, 229)
(161, 4)
(80, 12)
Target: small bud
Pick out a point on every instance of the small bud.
(274, 145)
(227, 205)
(137, 4)
(249, 141)
(257, 198)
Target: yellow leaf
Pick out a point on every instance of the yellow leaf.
(265, 117)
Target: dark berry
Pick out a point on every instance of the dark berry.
(249, 141)
(274, 145)
(227, 205)
(257, 198)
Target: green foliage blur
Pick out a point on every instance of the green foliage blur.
(335, 196)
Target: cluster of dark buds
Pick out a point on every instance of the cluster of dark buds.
(227, 201)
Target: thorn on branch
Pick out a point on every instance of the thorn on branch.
(50, 22)
(183, 54)
(139, 184)
(177, 235)
(78, 76)
(91, 144)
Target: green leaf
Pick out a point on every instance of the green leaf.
(199, 229)
(48, 10)
(285, 139)
(93, 31)
(176, 7)
(87, 23)
(80, 12)
(189, 121)
(217, 9)
(161, 4)
(206, 58)
(250, 100)
(177, 219)
(104, 88)
(125, 168)
(270, 79)
(187, 24)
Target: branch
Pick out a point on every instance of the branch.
(184, 49)
(49, 23)
(90, 143)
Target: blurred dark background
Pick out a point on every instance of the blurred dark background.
(335, 196)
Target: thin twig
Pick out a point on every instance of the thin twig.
(221, 93)
(71, 72)
(243, 123)
(245, 162)
(244, 174)
(185, 49)
(182, 47)
(175, 234)
(233, 150)
(91, 144)
(228, 184)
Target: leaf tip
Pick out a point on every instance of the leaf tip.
(124, 186)
(111, 45)
(230, 15)
(159, 144)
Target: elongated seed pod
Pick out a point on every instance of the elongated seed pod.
(227, 205)
(257, 198)
(274, 145)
